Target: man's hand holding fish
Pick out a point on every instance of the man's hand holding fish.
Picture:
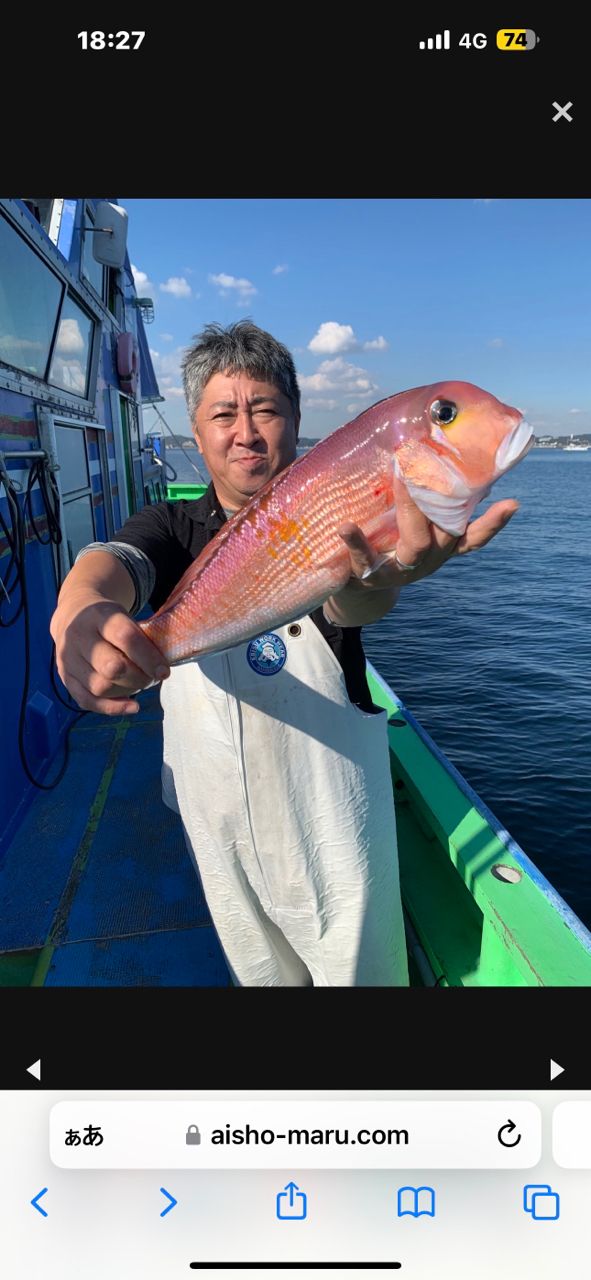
(422, 548)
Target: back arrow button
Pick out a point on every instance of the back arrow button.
(38, 1206)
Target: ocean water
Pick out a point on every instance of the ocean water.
(493, 655)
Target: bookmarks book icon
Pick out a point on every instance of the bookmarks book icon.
(416, 1201)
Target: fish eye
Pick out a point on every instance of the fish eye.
(443, 412)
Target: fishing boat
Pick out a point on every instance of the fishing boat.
(96, 886)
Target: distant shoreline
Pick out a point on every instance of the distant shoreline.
(307, 442)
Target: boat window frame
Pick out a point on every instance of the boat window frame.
(89, 215)
(86, 490)
(105, 474)
(23, 224)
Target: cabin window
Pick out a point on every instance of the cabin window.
(153, 492)
(79, 523)
(76, 488)
(57, 219)
(71, 356)
(71, 448)
(66, 230)
(134, 427)
(91, 269)
(30, 296)
(43, 211)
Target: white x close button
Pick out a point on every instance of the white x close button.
(562, 112)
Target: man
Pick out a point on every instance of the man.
(274, 756)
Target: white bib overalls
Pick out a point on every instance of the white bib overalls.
(284, 790)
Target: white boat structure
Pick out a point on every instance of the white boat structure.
(571, 447)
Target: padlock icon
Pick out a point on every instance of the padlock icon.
(193, 1136)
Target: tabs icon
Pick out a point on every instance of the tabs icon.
(541, 1201)
(416, 1201)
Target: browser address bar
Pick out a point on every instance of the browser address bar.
(196, 1134)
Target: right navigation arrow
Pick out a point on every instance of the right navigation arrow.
(555, 1069)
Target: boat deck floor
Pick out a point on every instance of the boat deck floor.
(97, 887)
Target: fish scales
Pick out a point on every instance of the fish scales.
(280, 556)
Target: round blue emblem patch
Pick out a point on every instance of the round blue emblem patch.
(266, 654)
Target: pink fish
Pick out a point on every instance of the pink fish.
(280, 556)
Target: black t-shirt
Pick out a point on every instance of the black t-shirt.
(172, 534)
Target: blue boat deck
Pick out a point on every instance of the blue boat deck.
(97, 886)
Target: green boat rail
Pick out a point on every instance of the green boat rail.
(177, 491)
(481, 911)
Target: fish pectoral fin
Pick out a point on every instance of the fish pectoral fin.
(382, 531)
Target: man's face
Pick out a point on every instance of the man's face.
(247, 432)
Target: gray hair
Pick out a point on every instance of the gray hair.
(240, 348)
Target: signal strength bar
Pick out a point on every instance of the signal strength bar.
(436, 42)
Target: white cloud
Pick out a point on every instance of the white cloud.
(480, 201)
(376, 344)
(278, 271)
(167, 337)
(317, 403)
(576, 410)
(178, 286)
(338, 375)
(333, 338)
(497, 342)
(168, 371)
(143, 285)
(244, 288)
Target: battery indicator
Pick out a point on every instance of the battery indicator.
(517, 38)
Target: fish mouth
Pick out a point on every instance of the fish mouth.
(514, 447)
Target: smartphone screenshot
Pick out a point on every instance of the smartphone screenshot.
(295, 450)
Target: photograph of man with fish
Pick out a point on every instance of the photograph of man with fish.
(274, 723)
(292, 823)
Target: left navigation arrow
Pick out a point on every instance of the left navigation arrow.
(35, 1069)
(172, 1202)
(38, 1206)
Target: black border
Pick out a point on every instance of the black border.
(173, 1038)
(270, 114)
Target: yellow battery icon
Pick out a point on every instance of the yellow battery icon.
(517, 38)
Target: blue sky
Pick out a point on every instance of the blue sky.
(376, 296)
